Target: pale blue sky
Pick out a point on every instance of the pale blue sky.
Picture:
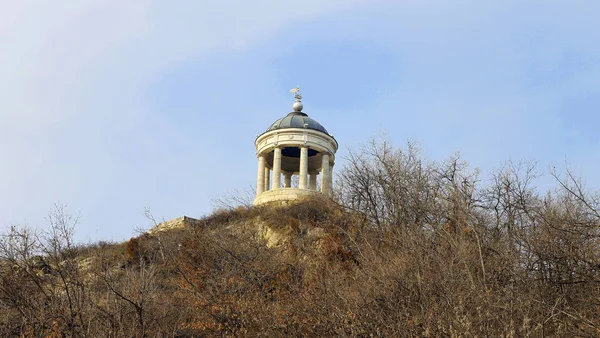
(111, 107)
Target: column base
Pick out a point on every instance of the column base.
(283, 196)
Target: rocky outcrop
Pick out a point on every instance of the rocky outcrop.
(176, 223)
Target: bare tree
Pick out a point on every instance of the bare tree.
(235, 198)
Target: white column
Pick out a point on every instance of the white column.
(326, 173)
(313, 180)
(331, 178)
(276, 169)
(303, 167)
(267, 178)
(287, 182)
(260, 179)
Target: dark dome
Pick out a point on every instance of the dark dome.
(297, 120)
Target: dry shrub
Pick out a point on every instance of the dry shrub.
(224, 216)
(133, 250)
(415, 249)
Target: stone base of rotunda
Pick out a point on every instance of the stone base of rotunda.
(283, 196)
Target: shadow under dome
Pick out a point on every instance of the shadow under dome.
(292, 163)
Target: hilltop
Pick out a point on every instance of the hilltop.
(407, 248)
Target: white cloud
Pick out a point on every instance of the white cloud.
(74, 125)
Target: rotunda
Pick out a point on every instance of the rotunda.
(301, 150)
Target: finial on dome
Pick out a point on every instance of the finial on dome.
(298, 103)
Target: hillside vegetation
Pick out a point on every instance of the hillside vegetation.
(407, 248)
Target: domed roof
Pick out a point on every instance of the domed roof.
(297, 119)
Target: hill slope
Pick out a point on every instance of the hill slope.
(310, 269)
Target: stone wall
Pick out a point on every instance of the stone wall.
(283, 195)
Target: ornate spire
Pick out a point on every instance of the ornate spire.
(298, 103)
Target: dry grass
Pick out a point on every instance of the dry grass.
(434, 257)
